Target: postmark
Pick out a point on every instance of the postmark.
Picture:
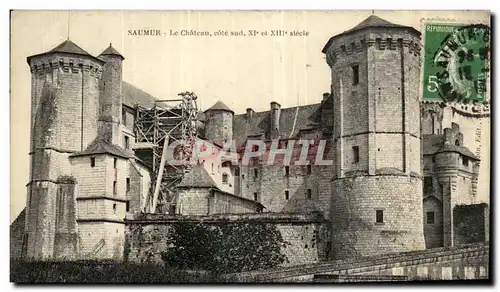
(456, 62)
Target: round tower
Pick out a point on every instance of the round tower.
(110, 103)
(219, 123)
(64, 105)
(377, 188)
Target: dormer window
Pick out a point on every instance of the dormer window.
(225, 178)
(457, 142)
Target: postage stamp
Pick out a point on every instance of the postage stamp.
(456, 62)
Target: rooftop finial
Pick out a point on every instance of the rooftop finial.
(69, 22)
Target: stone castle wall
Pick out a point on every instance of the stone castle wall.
(355, 231)
(146, 235)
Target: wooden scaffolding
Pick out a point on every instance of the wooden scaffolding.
(166, 123)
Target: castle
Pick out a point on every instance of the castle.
(396, 177)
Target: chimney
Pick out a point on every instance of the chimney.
(275, 120)
(250, 113)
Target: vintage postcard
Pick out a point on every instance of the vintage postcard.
(250, 146)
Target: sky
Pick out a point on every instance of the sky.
(241, 71)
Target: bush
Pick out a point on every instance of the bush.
(225, 248)
(99, 272)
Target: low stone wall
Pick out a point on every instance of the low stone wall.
(146, 235)
(465, 262)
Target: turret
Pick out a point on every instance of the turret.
(455, 165)
(110, 101)
(219, 123)
(377, 208)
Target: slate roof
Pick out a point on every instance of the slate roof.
(371, 22)
(198, 177)
(19, 219)
(133, 95)
(67, 47)
(16, 235)
(111, 51)
(307, 116)
(220, 106)
(433, 144)
(448, 147)
(100, 146)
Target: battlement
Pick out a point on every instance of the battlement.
(44, 64)
(474, 109)
(356, 43)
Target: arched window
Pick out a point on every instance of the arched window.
(457, 142)
(225, 178)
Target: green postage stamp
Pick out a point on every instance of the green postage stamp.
(456, 62)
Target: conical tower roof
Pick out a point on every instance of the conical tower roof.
(371, 22)
(110, 51)
(67, 47)
(220, 106)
